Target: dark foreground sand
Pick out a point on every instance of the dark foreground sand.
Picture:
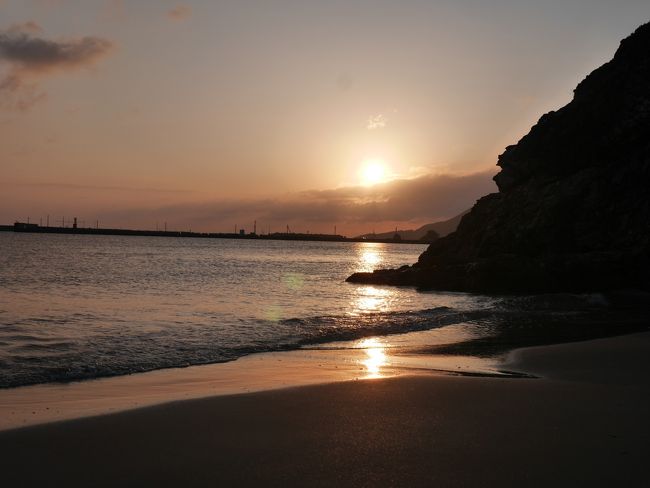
(586, 423)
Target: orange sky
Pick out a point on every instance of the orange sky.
(208, 114)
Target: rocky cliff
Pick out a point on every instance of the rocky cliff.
(573, 208)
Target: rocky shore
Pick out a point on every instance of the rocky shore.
(573, 208)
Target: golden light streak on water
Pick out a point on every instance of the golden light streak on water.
(370, 256)
(376, 359)
(371, 299)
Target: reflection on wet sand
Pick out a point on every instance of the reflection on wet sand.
(376, 357)
(410, 353)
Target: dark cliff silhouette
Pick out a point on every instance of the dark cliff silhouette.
(572, 212)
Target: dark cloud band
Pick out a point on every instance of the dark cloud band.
(423, 199)
(30, 58)
(35, 53)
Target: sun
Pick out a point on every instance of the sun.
(373, 171)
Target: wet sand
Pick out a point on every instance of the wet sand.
(334, 362)
(583, 423)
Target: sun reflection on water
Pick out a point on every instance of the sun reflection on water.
(371, 299)
(376, 357)
(370, 256)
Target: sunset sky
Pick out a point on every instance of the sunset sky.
(209, 114)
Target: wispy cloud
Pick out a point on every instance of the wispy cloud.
(28, 27)
(17, 93)
(180, 12)
(29, 59)
(377, 122)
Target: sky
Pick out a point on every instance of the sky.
(209, 115)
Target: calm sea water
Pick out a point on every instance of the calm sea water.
(76, 307)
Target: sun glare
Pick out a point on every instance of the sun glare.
(373, 171)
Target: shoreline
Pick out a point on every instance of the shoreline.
(582, 423)
(370, 358)
(381, 357)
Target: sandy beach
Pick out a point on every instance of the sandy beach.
(581, 422)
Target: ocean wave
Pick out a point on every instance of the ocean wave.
(42, 358)
(320, 329)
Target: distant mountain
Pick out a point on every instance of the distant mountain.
(441, 228)
(573, 208)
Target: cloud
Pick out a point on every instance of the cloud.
(28, 59)
(18, 94)
(376, 122)
(34, 54)
(180, 12)
(28, 27)
(355, 209)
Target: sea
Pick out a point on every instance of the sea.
(77, 307)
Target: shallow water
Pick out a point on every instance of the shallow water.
(77, 307)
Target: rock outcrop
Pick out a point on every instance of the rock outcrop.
(573, 208)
